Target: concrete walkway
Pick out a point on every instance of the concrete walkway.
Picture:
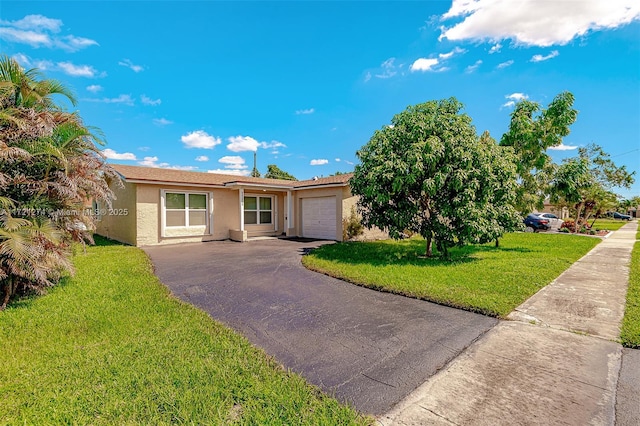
(555, 363)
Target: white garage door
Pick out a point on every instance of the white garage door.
(319, 218)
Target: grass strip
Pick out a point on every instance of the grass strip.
(479, 278)
(111, 346)
(630, 332)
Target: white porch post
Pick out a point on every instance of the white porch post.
(289, 221)
(241, 192)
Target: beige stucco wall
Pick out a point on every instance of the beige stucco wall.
(142, 225)
(368, 234)
(119, 222)
(224, 215)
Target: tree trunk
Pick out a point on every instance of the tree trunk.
(578, 211)
(8, 291)
(429, 249)
(497, 242)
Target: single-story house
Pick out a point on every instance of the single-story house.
(162, 206)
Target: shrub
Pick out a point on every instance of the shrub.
(352, 225)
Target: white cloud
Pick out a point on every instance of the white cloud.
(495, 48)
(73, 43)
(305, 111)
(230, 172)
(127, 63)
(161, 122)
(337, 160)
(28, 62)
(200, 139)
(153, 162)
(513, 98)
(35, 22)
(388, 69)
(505, 64)
(367, 76)
(122, 99)
(318, 162)
(536, 23)
(149, 162)
(243, 143)
(113, 155)
(234, 162)
(148, 101)
(77, 70)
(202, 158)
(563, 147)
(348, 162)
(247, 143)
(40, 31)
(517, 96)
(424, 64)
(272, 145)
(31, 38)
(540, 58)
(94, 88)
(472, 68)
(455, 51)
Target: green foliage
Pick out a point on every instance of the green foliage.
(428, 173)
(532, 131)
(586, 182)
(480, 278)
(352, 225)
(112, 347)
(630, 332)
(50, 167)
(274, 172)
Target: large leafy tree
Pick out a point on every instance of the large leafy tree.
(274, 172)
(586, 182)
(429, 173)
(532, 130)
(50, 168)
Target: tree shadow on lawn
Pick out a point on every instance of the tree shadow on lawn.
(401, 253)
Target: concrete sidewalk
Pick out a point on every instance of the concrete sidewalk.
(555, 363)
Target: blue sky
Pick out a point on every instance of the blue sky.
(202, 85)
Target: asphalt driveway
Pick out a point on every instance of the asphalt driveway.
(366, 348)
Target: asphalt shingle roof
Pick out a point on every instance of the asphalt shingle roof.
(152, 174)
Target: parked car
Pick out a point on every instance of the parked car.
(535, 223)
(554, 221)
(621, 216)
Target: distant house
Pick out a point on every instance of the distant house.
(161, 206)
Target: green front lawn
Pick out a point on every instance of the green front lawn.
(484, 279)
(630, 333)
(608, 224)
(111, 346)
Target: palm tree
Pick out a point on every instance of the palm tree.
(49, 162)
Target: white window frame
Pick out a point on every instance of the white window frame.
(258, 210)
(208, 211)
